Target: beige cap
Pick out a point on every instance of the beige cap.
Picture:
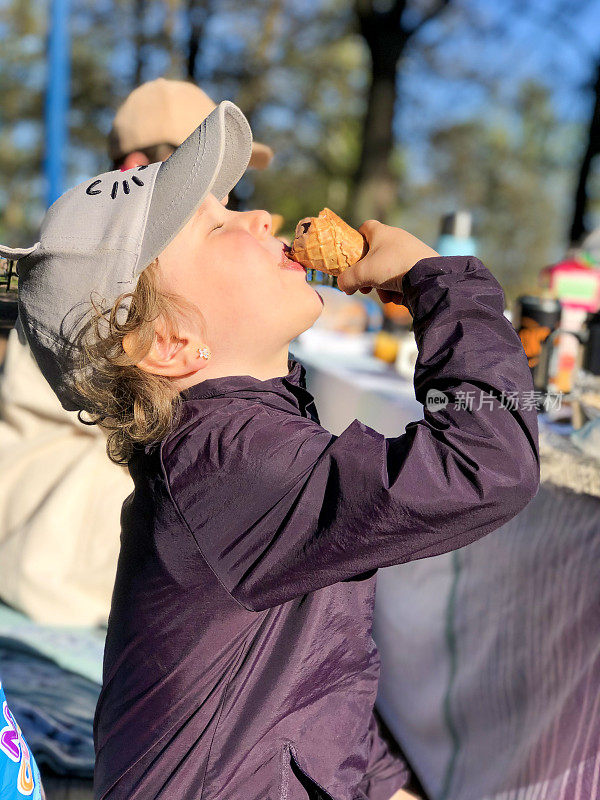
(166, 111)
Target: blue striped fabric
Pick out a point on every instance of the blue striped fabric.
(510, 625)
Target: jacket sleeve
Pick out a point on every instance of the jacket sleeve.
(295, 508)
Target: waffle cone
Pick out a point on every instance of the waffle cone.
(327, 243)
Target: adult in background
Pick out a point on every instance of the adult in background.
(157, 117)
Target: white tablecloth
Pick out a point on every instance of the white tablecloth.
(490, 655)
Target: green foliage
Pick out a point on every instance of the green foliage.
(22, 86)
(508, 172)
(22, 33)
(300, 83)
(296, 74)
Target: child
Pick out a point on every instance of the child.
(239, 663)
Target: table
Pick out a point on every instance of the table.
(490, 655)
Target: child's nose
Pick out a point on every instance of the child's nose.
(260, 223)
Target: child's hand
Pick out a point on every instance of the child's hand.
(392, 252)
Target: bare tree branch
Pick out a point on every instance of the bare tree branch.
(440, 6)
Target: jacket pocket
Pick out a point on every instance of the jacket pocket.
(296, 783)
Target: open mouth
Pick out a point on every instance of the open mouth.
(288, 263)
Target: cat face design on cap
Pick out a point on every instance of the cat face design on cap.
(92, 190)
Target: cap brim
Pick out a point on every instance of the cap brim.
(210, 161)
(15, 253)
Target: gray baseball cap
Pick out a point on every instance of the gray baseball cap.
(99, 236)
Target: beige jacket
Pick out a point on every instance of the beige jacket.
(60, 501)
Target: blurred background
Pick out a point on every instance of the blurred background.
(476, 126)
(401, 110)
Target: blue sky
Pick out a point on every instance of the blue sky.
(504, 43)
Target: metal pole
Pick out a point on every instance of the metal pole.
(57, 99)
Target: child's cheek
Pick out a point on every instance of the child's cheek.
(250, 252)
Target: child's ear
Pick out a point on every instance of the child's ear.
(173, 356)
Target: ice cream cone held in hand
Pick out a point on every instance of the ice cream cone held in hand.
(327, 243)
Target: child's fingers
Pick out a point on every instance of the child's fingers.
(397, 298)
(368, 228)
(356, 277)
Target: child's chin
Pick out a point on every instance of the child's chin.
(310, 319)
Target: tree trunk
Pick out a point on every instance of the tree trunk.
(197, 15)
(174, 70)
(578, 225)
(139, 40)
(374, 187)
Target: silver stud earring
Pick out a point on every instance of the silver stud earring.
(204, 352)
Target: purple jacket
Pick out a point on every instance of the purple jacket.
(239, 662)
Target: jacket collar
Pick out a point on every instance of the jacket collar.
(288, 392)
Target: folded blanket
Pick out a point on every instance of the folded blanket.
(52, 679)
(77, 649)
(55, 710)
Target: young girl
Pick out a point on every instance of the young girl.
(239, 663)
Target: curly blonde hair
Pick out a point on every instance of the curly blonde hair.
(134, 407)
